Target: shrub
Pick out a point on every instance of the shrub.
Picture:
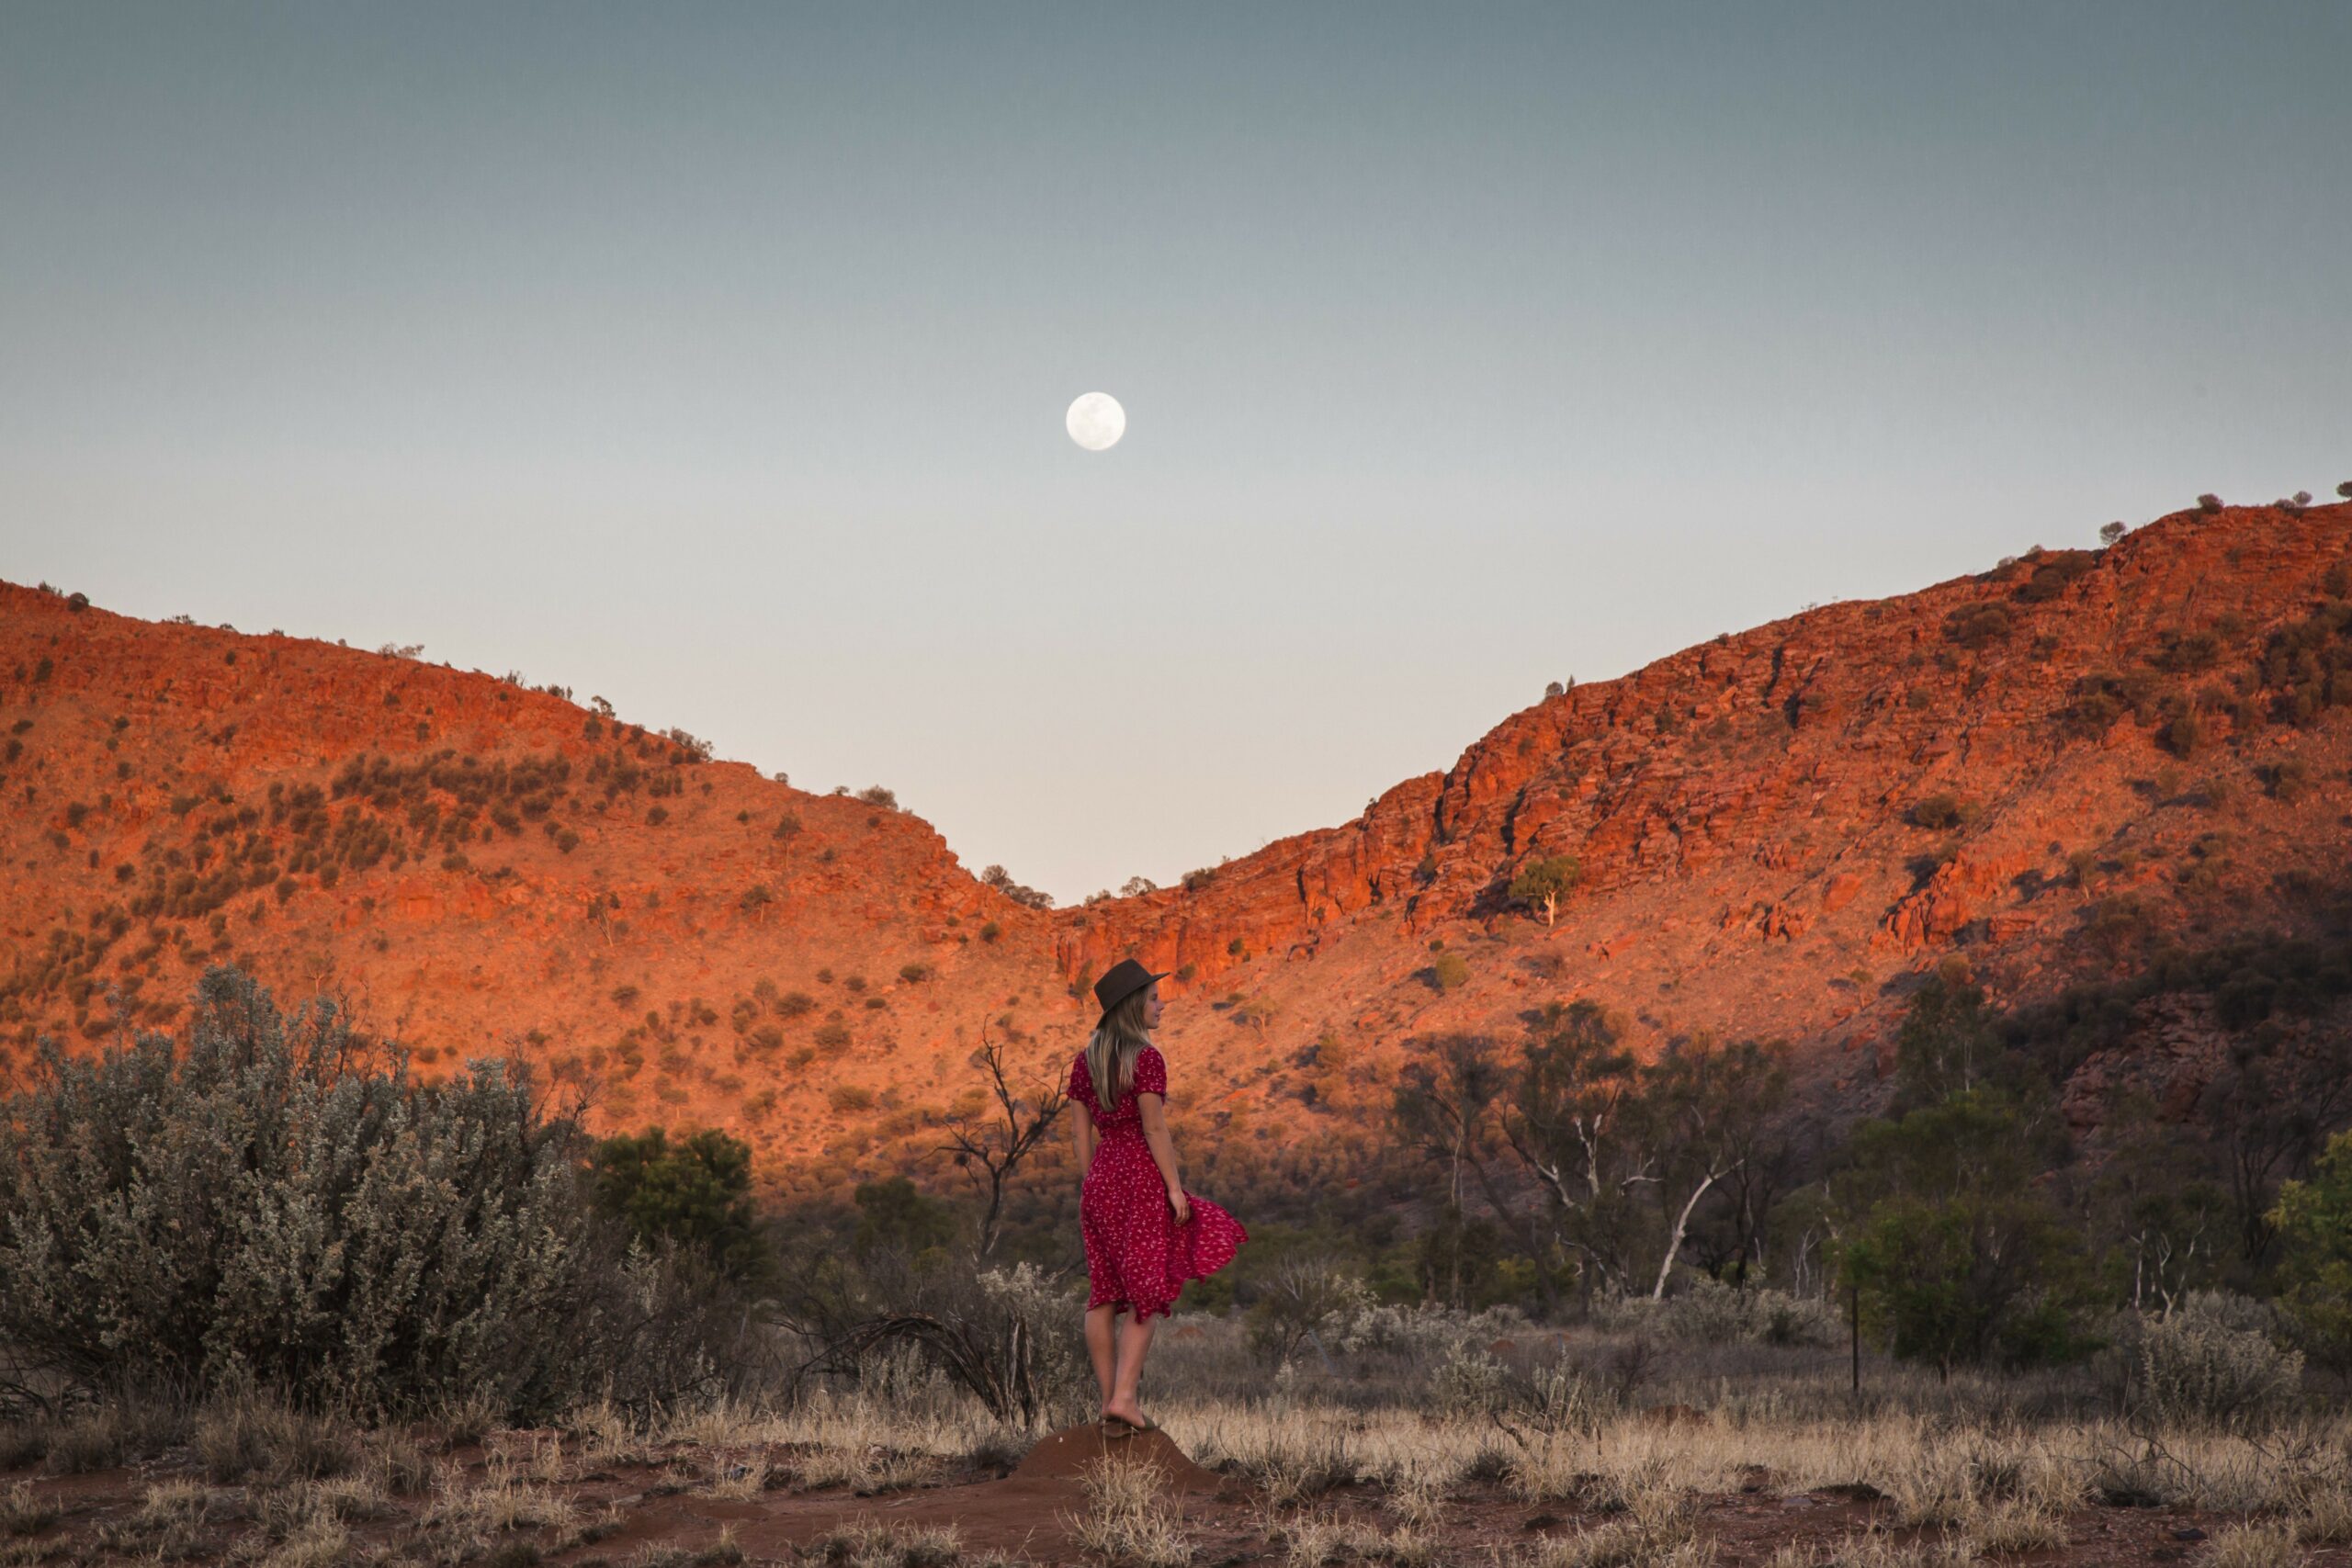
(2111, 532)
(1304, 1296)
(1713, 1313)
(696, 1191)
(1941, 811)
(2188, 653)
(877, 795)
(2203, 1365)
(266, 1202)
(1448, 970)
(2209, 501)
(2315, 1223)
(2183, 734)
(990, 931)
(2286, 779)
(2121, 920)
(2052, 571)
(1977, 625)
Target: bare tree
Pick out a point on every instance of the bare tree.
(1705, 1107)
(1573, 1122)
(989, 1147)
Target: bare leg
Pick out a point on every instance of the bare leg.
(1134, 1339)
(1100, 1329)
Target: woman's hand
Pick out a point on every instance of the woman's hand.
(1181, 1204)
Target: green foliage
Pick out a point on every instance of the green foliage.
(1949, 1041)
(1448, 970)
(2313, 1220)
(895, 1214)
(1958, 1256)
(696, 1192)
(1541, 882)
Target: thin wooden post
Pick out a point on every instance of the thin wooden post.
(1854, 1329)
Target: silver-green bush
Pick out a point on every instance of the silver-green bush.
(2210, 1362)
(1711, 1312)
(276, 1202)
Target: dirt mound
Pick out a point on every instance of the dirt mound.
(1069, 1452)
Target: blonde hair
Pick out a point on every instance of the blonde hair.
(1111, 1051)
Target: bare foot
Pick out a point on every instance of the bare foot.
(1127, 1414)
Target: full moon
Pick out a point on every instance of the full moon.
(1096, 422)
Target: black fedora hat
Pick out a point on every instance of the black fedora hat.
(1122, 980)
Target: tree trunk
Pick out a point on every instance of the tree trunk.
(1674, 1242)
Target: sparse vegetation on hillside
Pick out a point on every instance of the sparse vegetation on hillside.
(996, 877)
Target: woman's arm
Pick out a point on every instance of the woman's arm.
(1153, 1111)
(1083, 1129)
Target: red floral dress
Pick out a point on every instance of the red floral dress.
(1136, 1255)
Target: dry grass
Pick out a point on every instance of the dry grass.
(2324, 1511)
(732, 1473)
(112, 1436)
(1965, 1480)
(868, 1543)
(1872, 1552)
(25, 1512)
(2255, 1546)
(1312, 1540)
(1127, 1523)
(1659, 1530)
(246, 1436)
(477, 1515)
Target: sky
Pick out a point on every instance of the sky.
(713, 358)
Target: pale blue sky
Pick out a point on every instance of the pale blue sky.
(713, 358)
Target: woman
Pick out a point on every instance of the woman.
(1145, 1235)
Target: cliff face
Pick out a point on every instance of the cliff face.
(1773, 833)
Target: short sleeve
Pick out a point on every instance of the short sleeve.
(1151, 1072)
(1081, 1083)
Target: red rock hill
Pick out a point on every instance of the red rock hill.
(2036, 767)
